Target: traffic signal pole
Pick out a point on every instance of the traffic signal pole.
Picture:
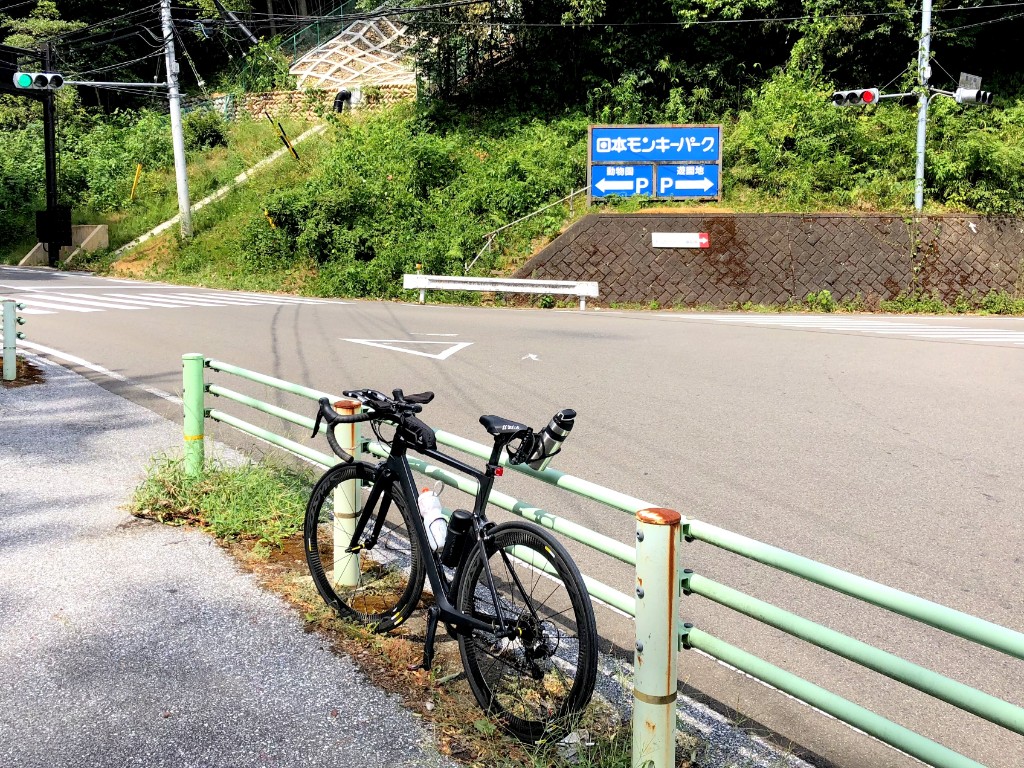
(924, 70)
(50, 153)
(177, 137)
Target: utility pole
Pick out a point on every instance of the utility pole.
(924, 70)
(177, 137)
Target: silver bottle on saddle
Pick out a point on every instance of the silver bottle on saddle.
(549, 441)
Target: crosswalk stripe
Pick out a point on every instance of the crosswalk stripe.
(161, 300)
(30, 302)
(254, 299)
(227, 299)
(30, 311)
(116, 300)
(90, 302)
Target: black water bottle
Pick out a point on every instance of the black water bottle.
(459, 527)
(549, 441)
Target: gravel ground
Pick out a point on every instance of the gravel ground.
(127, 643)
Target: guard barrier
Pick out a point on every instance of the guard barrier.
(11, 321)
(654, 605)
(499, 285)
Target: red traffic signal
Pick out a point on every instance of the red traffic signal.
(855, 98)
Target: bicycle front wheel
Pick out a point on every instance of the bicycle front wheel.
(376, 576)
(538, 681)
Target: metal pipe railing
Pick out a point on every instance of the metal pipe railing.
(961, 624)
(11, 334)
(939, 616)
(914, 744)
(925, 680)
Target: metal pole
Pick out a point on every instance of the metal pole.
(346, 503)
(50, 155)
(655, 665)
(10, 341)
(924, 71)
(192, 396)
(177, 137)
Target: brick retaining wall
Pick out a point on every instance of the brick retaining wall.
(772, 258)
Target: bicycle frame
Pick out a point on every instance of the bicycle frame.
(396, 462)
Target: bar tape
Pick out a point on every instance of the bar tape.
(646, 698)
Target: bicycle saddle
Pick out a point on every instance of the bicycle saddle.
(496, 425)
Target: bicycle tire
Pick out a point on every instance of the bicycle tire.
(390, 579)
(537, 684)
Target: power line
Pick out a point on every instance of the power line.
(950, 30)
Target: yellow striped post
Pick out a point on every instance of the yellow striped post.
(346, 502)
(192, 396)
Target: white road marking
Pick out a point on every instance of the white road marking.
(911, 329)
(99, 369)
(530, 357)
(433, 334)
(389, 344)
(32, 302)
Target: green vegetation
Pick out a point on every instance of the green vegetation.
(500, 131)
(256, 502)
(256, 510)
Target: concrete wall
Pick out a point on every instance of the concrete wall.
(84, 237)
(772, 258)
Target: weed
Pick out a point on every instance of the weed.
(821, 301)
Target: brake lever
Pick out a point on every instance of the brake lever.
(319, 416)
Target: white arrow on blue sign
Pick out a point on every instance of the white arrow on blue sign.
(697, 180)
(621, 180)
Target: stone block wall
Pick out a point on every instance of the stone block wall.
(772, 258)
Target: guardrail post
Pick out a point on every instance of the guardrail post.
(10, 341)
(423, 292)
(193, 398)
(655, 665)
(346, 501)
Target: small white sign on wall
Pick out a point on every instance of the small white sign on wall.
(680, 240)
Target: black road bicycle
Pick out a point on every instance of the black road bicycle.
(509, 593)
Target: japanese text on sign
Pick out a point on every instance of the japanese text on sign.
(655, 143)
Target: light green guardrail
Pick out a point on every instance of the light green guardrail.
(656, 598)
(9, 322)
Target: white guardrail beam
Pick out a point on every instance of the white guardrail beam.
(500, 285)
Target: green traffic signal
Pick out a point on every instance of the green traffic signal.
(46, 81)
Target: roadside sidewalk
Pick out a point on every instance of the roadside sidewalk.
(128, 643)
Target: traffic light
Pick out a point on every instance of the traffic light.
(46, 81)
(855, 98)
(972, 96)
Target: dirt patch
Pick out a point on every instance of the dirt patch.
(25, 373)
(141, 259)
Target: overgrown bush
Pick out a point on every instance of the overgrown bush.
(204, 129)
(396, 190)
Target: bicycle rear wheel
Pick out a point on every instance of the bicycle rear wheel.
(380, 582)
(537, 682)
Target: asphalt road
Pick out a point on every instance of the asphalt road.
(888, 447)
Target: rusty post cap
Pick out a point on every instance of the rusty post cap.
(659, 516)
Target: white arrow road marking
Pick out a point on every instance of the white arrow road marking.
(530, 357)
(452, 348)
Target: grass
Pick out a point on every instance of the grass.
(255, 510)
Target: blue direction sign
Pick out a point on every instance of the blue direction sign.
(655, 143)
(621, 180)
(687, 180)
